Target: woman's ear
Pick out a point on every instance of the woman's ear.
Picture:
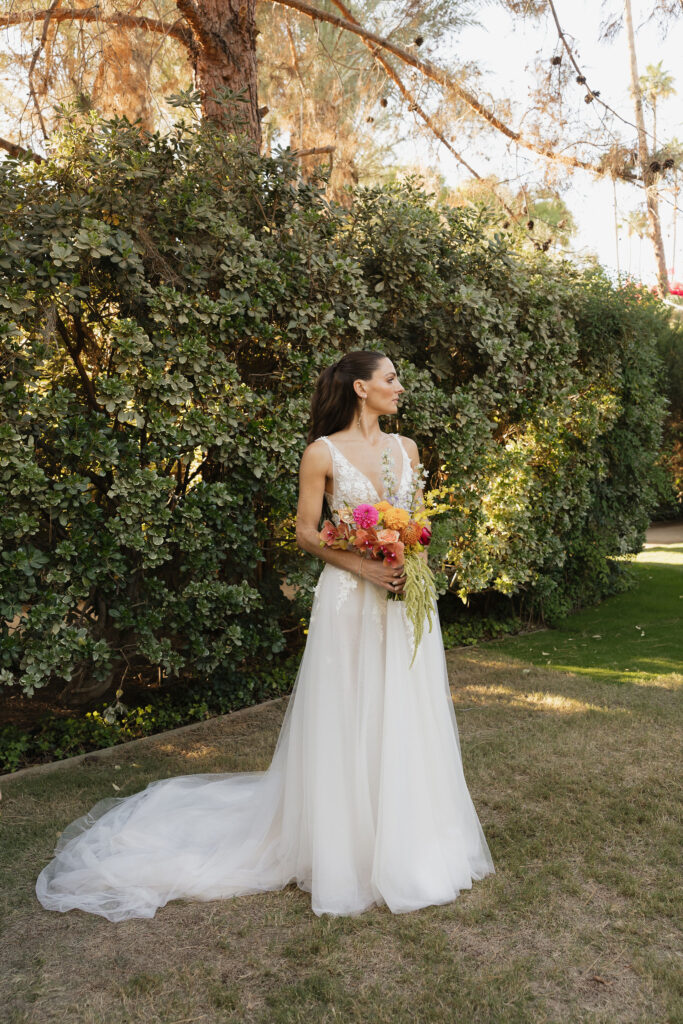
(359, 388)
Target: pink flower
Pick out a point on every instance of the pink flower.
(365, 516)
(425, 536)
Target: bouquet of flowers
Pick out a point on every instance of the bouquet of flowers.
(393, 534)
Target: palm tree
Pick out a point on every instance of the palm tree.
(674, 152)
(635, 224)
(656, 84)
(648, 168)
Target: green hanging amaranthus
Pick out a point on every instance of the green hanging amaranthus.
(419, 595)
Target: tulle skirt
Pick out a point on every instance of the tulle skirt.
(364, 803)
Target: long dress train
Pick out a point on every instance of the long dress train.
(364, 803)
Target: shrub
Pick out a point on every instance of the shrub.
(54, 738)
(536, 391)
(162, 299)
(166, 302)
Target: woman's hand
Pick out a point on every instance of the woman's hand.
(388, 575)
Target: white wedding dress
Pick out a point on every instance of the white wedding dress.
(364, 802)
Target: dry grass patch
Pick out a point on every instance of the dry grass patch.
(575, 784)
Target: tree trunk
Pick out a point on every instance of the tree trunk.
(673, 257)
(616, 224)
(223, 54)
(652, 198)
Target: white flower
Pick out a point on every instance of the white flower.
(389, 476)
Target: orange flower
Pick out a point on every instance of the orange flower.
(390, 552)
(328, 534)
(382, 506)
(343, 531)
(332, 536)
(387, 536)
(364, 539)
(395, 518)
(410, 534)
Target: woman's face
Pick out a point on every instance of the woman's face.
(382, 390)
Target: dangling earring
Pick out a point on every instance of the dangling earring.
(360, 414)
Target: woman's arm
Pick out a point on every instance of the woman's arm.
(316, 464)
(414, 455)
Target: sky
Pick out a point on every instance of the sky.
(503, 47)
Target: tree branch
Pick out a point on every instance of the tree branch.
(313, 151)
(437, 74)
(405, 92)
(580, 75)
(34, 60)
(17, 151)
(176, 30)
(193, 17)
(76, 360)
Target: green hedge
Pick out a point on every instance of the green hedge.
(53, 738)
(166, 302)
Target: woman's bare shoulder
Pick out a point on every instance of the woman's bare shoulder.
(316, 456)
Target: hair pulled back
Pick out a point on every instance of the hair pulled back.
(334, 399)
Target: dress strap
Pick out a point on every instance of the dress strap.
(401, 445)
(328, 443)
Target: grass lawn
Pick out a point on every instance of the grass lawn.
(636, 636)
(570, 741)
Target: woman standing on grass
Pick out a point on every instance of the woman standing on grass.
(365, 801)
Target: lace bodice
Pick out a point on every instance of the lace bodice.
(352, 487)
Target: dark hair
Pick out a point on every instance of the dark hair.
(334, 400)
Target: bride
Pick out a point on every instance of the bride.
(364, 802)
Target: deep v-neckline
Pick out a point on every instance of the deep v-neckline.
(360, 471)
